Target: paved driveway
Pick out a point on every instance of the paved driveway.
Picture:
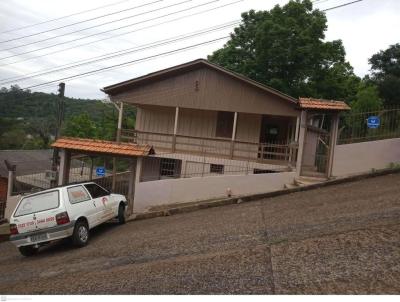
(339, 239)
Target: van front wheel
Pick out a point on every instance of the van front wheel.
(28, 250)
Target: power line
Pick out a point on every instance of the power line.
(345, 4)
(94, 26)
(63, 17)
(129, 62)
(120, 53)
(125, 33)
(114, 29)
(72, 24)
(147, 58)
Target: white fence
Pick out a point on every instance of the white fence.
(362, 157)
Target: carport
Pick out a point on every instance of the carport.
(69, 147)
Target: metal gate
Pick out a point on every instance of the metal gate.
(316, 152)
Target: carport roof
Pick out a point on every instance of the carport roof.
(102, 147)
(319, 104)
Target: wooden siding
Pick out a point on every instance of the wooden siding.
(248, 127)
(197, 123)
(208, 89)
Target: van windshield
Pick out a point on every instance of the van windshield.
(38, 203)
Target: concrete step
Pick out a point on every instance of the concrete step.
(290, 186)
(306, 181)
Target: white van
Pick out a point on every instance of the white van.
(67, 211)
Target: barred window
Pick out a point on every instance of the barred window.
(219, 169)
(170, 167)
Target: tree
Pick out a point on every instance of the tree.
(80, 126)
(284, 48)
(367, 99)
(385, 67)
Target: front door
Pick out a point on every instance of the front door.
(273, 137)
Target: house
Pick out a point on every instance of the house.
(199, 112)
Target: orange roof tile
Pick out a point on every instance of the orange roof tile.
(101, 146)
(310, 103)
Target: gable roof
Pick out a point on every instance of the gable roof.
(320, 104)
(102, 146)
(189, 66)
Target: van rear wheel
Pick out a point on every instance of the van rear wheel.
(28, 250)
(80, 237)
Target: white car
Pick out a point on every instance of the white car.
(67, 211)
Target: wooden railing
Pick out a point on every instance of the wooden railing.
(283, 152)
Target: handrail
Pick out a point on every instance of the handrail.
(185, 143)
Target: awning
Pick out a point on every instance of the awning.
(319, 104)
(102, 147)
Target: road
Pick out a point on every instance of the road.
(338, 239)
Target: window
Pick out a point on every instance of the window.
(77, 194)
(38, 203)
(96, 191)
(224, 124)
(219, 169)
(262, 171)
(170, 167)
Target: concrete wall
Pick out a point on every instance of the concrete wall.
(171, 191)
(10, 206)
(362, 157)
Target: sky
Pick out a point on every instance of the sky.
(365, 28)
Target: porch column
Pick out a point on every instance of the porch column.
(65, 159)
(233, 133)
(120, 115)
(302, 138)
(91, 168)
(334, 137)
(175, 128)
(296, 136)
(119, 129)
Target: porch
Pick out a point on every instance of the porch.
(230, 135)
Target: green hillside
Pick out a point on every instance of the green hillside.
(28, 119)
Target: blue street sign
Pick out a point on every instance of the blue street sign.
(373, 122)
(100, 171)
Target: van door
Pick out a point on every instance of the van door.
(37, 211)
(103, 201)
(82, 205)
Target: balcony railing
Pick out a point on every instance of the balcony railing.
(274, 152)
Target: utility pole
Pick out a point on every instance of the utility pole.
(60, 118)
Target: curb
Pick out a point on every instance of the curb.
(254, 197)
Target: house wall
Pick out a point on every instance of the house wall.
(208, 89)
(199, 123)
(172, 191)
(362, 157)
